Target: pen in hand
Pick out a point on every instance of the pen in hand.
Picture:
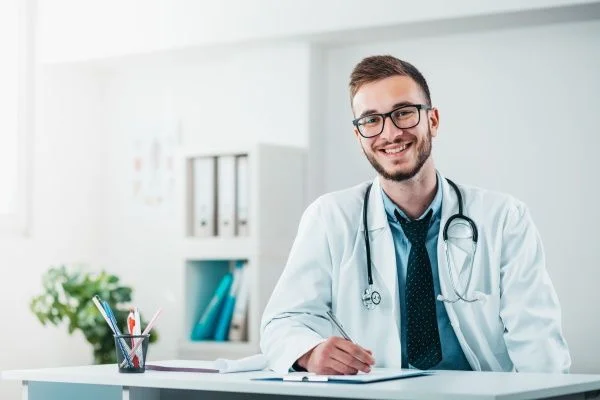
(339, 326)
(337, 355)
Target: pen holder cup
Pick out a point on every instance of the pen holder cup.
(131, 352)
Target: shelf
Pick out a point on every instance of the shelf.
(217, 248)
(210, 350)
(275, 180)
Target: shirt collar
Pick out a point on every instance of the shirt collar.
(435, 206)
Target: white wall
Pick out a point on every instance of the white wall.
(89, 118)
(117, 27)
(67, 195)
(227, 99)
(518, 111)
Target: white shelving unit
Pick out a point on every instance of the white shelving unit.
(277, 198)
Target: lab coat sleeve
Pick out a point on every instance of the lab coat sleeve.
(529, 306)
(294, 320)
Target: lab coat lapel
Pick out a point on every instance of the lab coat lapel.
(383, 253)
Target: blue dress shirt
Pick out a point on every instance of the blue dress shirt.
(452, 354)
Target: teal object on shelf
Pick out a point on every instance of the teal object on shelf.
(206, 325)
(224, 320)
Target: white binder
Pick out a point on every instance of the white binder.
(204, 196)
(226, 196)
(242, 196)
(238, 329)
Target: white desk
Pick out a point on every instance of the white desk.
(105, 382)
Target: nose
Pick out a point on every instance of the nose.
(390, 130)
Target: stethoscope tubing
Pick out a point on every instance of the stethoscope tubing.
(460, 215)
(367, 241)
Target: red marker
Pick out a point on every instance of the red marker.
(132, 324)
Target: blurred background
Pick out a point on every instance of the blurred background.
(86, 85)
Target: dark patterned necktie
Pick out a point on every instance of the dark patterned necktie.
(423, 338)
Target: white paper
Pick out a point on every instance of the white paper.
(256, 362)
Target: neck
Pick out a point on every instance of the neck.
(413, 195)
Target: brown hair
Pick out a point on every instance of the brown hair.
(374, 68)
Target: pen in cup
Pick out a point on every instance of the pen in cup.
(133, 327)
(339, 326)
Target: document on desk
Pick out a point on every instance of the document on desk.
(256, 362)
(376, 375)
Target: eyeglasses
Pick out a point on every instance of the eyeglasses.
(404, 117)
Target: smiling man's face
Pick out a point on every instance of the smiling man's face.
(396, 154)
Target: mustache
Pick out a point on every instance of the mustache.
(395, 141)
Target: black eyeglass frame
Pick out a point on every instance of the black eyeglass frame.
(419, 107)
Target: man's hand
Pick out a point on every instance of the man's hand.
(337, 356)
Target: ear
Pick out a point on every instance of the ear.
(433, 116)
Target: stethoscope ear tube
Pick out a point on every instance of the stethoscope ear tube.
(464, 218)
(460, 214)
(457, 294)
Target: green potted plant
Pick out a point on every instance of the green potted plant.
(67, 296)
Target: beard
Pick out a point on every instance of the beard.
(423, 152)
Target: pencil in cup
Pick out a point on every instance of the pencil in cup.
(108, 316)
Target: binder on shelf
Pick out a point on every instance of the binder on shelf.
(206, 325)
(204, 196)
(222, 331)
(226, 196)
(239, 325)
(242, 195)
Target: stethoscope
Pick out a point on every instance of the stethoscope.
(371, 297)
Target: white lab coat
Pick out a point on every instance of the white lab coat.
(517, 326)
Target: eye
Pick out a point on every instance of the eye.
(369, 120)
(404, 113)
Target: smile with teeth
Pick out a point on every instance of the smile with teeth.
(396, 150)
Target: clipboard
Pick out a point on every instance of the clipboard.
(376, 375)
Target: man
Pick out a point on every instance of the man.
(485, 303)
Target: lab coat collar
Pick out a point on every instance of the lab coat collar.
(377, 216)
(449, 202)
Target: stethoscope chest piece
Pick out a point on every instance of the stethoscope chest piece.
(371, 298)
